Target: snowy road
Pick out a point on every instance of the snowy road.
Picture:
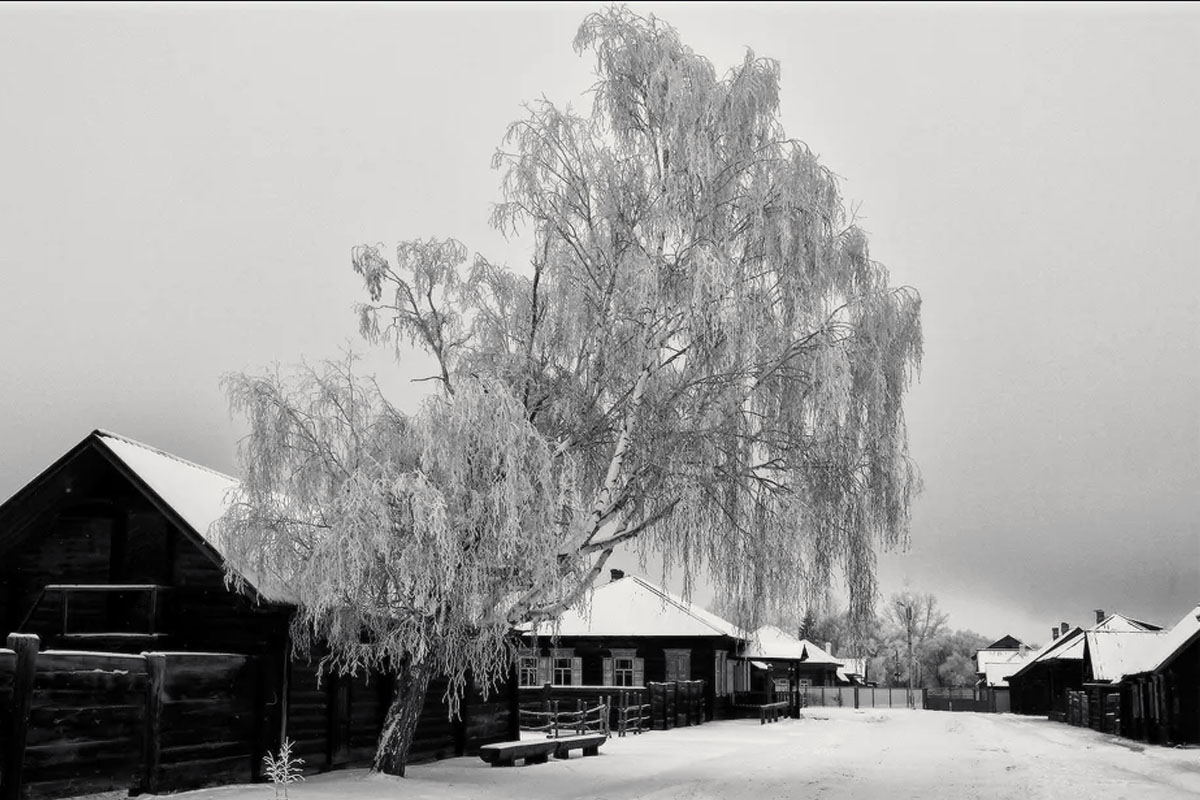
(830, 755)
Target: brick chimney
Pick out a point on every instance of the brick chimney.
(616, 574)
(1054, 633)
(1099, 615)
(1064, 627)
(829, 648)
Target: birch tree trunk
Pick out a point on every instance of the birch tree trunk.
(400, 724)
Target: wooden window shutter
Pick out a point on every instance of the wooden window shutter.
(544, 670)
(608, 672)
(577, 671)
(639, 672)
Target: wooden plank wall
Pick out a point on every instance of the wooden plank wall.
(209, 728)
(85, 724)
(102, 722)
(8, 666)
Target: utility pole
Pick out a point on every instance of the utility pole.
(908, 613)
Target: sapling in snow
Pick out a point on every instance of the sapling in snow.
(283, 769)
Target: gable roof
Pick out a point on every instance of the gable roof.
(1173, 642)
(632, 606)
(1006, 643)
(1115, 653)
(192, 496)
(1071, 645)
(851, 669)
(772, 643)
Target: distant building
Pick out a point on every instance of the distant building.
(632, 632)
(1043, 681)
(994, 663)
(789, 663)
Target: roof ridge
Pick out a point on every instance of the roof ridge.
(102, 433)
(683, 605)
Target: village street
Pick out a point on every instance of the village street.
(831, 754)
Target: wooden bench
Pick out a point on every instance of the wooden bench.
(589, 743)
(538, 751)
(503, 754)
(770, 712)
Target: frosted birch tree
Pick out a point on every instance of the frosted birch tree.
(700, 356)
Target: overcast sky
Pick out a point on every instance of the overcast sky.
(180, 188)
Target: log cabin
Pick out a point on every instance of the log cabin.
(1043, 683)
(1160, 701)
(631, 633)
(778, 665)
(109, 550)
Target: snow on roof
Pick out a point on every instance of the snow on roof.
(1115, 653)
(852, 668)
(994, 674)
(199, 495)
(1071, 644)
(769, 642)
(1172, 642)
(1120, 622)
(632, 606)
(996, 665)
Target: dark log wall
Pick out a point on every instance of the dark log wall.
(327, 739)
(1183, 702)
(85, 724)
(8, 665)
(209, 725)
(308, 715)
(109, 722)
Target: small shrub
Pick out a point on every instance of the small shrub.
(283, 769)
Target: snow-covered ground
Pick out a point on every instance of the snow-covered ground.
(831, 754)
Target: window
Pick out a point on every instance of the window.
(624, 668)
(565, 668)
(527, 670)
(679, 665)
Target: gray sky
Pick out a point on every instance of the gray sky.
(180, 188)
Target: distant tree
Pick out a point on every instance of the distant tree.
(702, 356)
(912, 621)
(949, 659)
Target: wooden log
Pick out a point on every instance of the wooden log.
(26, 648)
(156, 669)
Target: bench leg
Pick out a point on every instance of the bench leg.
(502, 763)
(562, 754)
(592, 751)
(536, 758)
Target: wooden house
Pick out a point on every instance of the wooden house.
(994, 663)
(774, 662)
(629, 634)
(1107, 656)
(109, 549)
(1160, 700)
(1044, 681)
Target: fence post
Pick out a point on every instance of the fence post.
(856, 696)
(579, 720)
(26, 647)
(554, 720)
(156, 670)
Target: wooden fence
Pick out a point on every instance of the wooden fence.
(79, 722)
(556, 719)
(656, 706)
